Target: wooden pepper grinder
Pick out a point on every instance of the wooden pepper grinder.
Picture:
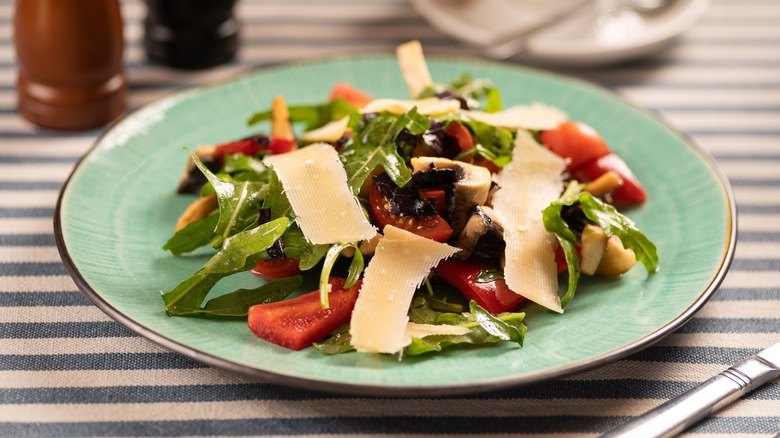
(70, 62)
(190, 34)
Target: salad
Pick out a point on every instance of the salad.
(428, 223)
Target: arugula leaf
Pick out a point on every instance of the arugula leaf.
(554, 223)
(493, 102)
(616, 224)
(314, 116)
(276, 200)
(492, 142)
(238, 201)
(337, 343)
(472, 90)
(484, 328)
(374, 146)
(239, 253)
(296, 246)
(251, 168)
(193, 236)
(355, 269)
(608, 218)
(237, 303)
(489, 275)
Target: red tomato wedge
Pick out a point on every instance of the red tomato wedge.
(461, 134)
(629, 194)
(577, 142)
(350, 94)
(276, 268)
(494, 296)
(297, 323)
(590, 157)
(252, 146)
(433, 227)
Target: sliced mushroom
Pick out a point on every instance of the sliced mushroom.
(192, 179)
(199, 209)
(482, 237)
(470, 188)
(593, 243)
(617, 260)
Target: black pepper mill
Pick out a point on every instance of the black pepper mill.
(190, 34)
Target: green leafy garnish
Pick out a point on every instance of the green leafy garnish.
(355, 269)
(608, 218)
(238, 201)
(237, 303)
(489, 275)
(239, 252)
(193, 236)
(484, 328)
(315, 116)
(374, 146)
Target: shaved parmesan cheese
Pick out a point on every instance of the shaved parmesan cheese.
(315, 182)
(430, 106)
(536, 116)
(414, 69)
(328, 133)
(529, 183)
(414, 330)
(400, 264)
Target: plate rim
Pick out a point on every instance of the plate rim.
(394, 390)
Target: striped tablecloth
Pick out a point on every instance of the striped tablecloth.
(66, 369)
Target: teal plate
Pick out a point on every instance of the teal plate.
(119, 207)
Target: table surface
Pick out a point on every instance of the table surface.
(66, 369)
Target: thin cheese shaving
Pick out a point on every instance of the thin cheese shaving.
(315, 182)
(430, 106)
(414, 69)
(414, 330)
(528, 185)
(536, 116)
(400, 264)
(328, 133)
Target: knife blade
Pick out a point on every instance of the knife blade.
(676, 415)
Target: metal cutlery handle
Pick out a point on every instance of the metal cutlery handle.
(676, 415)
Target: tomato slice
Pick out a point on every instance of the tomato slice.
(276, 268)
(437, 198)
(247, 146)
(298, 322)
(461, 134)
(494, 296)
(281, 145)
(629, 194)
(433, 227)
(575, 141)
(350, 94)
(252, 146)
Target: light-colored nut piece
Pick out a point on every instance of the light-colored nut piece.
(617, 260)
(604, 184)
(593, 244)
(199, 209)
(280, 120)
(368, 247)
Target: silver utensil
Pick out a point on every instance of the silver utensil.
(676, 415)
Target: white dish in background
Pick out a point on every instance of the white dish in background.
(560, 32)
